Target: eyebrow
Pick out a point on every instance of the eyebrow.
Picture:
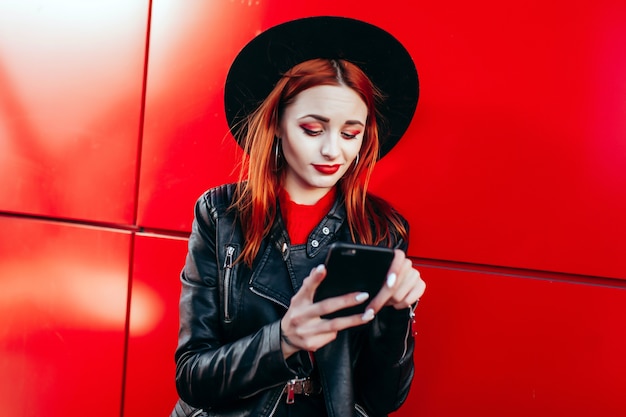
(326, 119)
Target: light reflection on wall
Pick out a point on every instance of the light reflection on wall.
(51, 29)
(188, 145)
(63, 310)
(73, 296)
(71, 76)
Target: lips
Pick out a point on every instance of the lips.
(327, 169)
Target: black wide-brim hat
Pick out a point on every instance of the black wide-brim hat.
(262, 62)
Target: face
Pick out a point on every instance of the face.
(322, 133)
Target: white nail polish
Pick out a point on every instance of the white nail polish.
(391, 280)
(320, 268)
(368, 315)
(362, 297)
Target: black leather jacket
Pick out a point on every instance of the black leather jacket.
(229, 360)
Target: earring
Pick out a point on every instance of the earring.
(276, 153)
(356, 162)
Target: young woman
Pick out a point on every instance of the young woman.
(252, 341)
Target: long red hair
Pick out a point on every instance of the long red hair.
(368, 218)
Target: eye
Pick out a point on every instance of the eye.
(350, 135)
(310, 131)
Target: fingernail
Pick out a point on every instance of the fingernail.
(362, 297)
(391, 279)
(368, 315)
(319, 268)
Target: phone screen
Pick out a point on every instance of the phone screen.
(353, 267)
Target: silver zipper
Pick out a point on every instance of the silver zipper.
(228, 268)
(406, 340)
(196, 413)
(276, 404)
(360, 410)
(409, 331)
(267, 297)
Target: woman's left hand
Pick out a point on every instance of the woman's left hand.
(403, 288)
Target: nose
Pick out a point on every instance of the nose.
(330, 146)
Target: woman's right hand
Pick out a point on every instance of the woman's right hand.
(303, 328)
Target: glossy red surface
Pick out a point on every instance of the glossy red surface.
(491, 344)
(519, 137)
(71, 78)
(516, 158)
(157, 262)
(62, 318)
(516, 155)
(186, 146)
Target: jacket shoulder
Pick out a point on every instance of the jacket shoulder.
(382, 206)
(394, 220)
(216, 201)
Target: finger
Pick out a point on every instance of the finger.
(410, 279)
(333, 304)
(310, 283)
(410, 291)
(302, 308)
(379, 301)
(314, 332)
(345, 322)
(398, 269)
(328, 328)
(413, 298)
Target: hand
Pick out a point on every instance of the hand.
(403, 288)
(303, 328)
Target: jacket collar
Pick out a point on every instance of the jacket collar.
(320, 237)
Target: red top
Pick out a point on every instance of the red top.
(301, 219)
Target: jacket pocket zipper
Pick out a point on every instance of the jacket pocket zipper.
(275, 407)
(360, 410)
(228, 269)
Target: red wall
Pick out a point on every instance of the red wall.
(512, 175)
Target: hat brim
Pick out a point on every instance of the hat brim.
(261, 63)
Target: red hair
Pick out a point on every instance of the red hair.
(368, 218)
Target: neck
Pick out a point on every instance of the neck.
(306, 197)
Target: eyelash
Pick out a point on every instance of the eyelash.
(318, 132)
(311, 132)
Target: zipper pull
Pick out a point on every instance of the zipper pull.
(228, 262)
(228, 266)
(412, 319)
(291, 397)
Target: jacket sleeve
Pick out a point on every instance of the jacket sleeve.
(385, 368)
(212, 372)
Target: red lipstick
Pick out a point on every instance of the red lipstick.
(327, 169)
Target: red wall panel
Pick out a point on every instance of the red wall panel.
(153, 326)
(62, 318)
(516, 158)
(507, 344)
(516, 154)
(186, 148)
(71, 77)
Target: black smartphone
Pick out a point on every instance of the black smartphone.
(353, 267)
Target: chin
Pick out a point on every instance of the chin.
(322, 184)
